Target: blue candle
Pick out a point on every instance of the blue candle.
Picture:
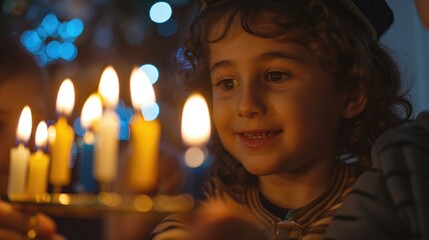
(87, 182)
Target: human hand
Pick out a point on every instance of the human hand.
(16, 224)
(217, 221)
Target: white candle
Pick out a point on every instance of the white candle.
(39, 163)
(106, 143)
(19, 155)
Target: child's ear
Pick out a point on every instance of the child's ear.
(354, 104)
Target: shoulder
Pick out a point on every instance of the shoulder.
(389, 200)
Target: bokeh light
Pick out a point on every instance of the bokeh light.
(31, 40)
(78, 128)
(150, 112)
(68, 51)
(151, 71)
(160, 12)
(74, 28)
(52, 39)
(50, 24)
(52, 49)
(194, 157)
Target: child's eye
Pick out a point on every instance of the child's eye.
(277, 76)
(227, 84)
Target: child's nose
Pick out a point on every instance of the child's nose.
(251, 102)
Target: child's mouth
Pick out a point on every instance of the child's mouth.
(258, 139)
(260, 135)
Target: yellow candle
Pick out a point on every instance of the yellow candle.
(106, 142)
(61, 146)
(19, 155)
(39, 163)
(145, 136)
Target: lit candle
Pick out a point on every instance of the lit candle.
(106, 142)
(144, 136)
(63, 136)
(39, 163)
(90, 116)
(195, 121)
(195, 134)
(20, 154)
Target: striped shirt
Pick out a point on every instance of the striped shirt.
(307, 223)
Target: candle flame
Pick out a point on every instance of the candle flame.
(195, 121)
(66, 97)
(91, 111)
(24, 125)
(109, 87)
(142, 93)
(52, 133)
(41, 134)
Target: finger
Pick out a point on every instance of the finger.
(19, 221)
(12, 219)
(46, 227)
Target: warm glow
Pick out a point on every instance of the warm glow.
(195, 121)
(65, 98)
(24, 125)
(194, 157)
(142, 93)
(64, 199)
(109, 87)
(52, 132)
(91, 111)
(41, 134)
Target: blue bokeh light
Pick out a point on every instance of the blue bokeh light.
(53, 48)
(50, 23)
(74, 28)
(151, 71)
(150, 112)
(67, 51)
(78, 128)
(125, 114)
(160, 12)
(62, 30)
(43, 34)
(31, 40)
(52, 39)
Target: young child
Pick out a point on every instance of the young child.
(300, 90)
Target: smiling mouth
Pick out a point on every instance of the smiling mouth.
(258, 139)
(260, 135)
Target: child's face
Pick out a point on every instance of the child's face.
(275, 108)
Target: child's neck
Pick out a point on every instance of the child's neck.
(298, 188)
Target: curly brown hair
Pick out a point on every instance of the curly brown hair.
(344, 47)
